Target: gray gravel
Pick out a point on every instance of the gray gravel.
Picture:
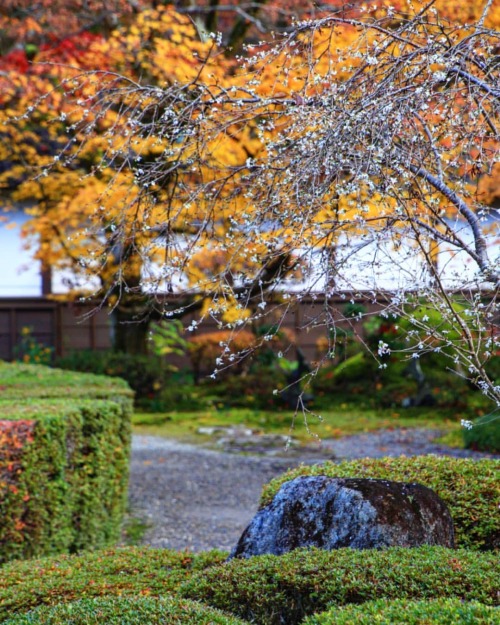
(198, 499)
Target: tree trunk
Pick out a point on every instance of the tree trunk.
(129, 333)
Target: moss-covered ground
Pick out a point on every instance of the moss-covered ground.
(338, 420)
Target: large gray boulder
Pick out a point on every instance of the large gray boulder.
(329, 513)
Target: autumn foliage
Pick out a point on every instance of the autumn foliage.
(161, 47)
(158, 160)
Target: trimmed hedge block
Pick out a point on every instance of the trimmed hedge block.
(18, 381)
(470, 488)
(63, 462)
(126, 611)
(272, 590)
(127, 572)
(439, 612)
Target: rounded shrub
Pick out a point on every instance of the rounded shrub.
(356, 368)
(125, 611)
(130, 571)
(484, 434)
(439, 612)
(255, 389)
(273, 590)
(470, 488)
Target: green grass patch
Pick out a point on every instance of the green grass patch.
(273, 590)
(453, 437)
(126, 611)
(401, 612)
(130, 571)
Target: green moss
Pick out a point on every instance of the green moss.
(272, 590)
(439, 612)
(129, 571)
(470, 488)
(126, 611)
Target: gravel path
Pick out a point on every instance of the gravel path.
(198, 499)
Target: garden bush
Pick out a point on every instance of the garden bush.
(382, 612)
(470, 488)
(272, 590)
(182, 396)
(394, 386)
(63, 462)
(254, 389)
(126, 611)
(484, 435)
(205, 348)
(145, 374)
(130, 571)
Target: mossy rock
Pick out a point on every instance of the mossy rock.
(272, 590)
(484, 435)
(470, 488)
(438, 612)
(25, 585)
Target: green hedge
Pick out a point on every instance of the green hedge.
(126, 611)
(25, 585)
(439, 612)
(272, 590)
(63, 462)
(470, 488)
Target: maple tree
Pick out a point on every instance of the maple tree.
(27, 26)
(59, 203)
(361, 142)
(74, 191)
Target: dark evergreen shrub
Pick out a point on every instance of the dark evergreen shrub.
(273, 590)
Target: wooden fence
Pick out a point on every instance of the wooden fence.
(68, 326)
(71, 326)
(64, 326)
